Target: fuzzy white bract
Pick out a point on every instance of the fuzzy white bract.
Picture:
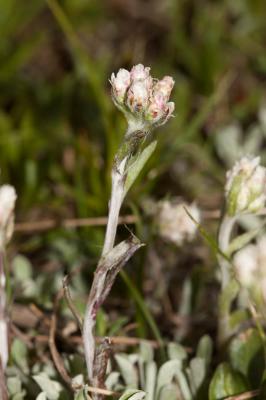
(143, 99)
(7, 204)
(246, 265)
(245, 188)
(250, 265)
(174, 223)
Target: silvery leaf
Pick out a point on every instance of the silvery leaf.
(128, 370)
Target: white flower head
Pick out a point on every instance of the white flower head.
(245, 188)
(120, 84)
(174, 223)
(7, 204)
(143, 100)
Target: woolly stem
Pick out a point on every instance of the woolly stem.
(229, 287)
(224, 235)
(118, 180)
(130, 146)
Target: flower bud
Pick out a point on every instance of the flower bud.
(245, 188)
(164, 87)
(159, 111)
(120, 84)
(139, 72)
(142, 99)
(7, 204)
(138, 96)
(174, 223)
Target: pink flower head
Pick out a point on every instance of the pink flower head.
(164, 87)
(142, 99)
(159, 111)
(139, 72)
(120, 84)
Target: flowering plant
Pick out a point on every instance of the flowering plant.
(145, 103)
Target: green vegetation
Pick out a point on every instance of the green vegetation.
(59, 133)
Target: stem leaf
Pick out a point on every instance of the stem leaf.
(241, 240)
(136, 167)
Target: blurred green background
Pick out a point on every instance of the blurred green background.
(59, 129)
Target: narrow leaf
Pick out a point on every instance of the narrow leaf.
(197, 373)
(136, 167)
(151, 377)
(241, 240)
(209, 239)
(132, 394)
(128, 370)
(205, 348)
(167, 372)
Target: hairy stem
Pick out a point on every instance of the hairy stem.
(90, 318)
(99, 289)
(107, 269)
(229, 285)
(224, 236)
(118, 180)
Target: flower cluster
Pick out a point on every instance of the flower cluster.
(250, 264)
(143, 99)
(174, 223)
(7, 204)
(245, 188)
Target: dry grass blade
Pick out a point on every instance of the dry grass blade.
(53, 349)
(104, 392)
(72, 223)
(45, 225)
(71, 304)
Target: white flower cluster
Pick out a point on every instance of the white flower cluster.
(7, 204)
(245, 188)
(250, 265)
(174, 223)
(143, 99)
